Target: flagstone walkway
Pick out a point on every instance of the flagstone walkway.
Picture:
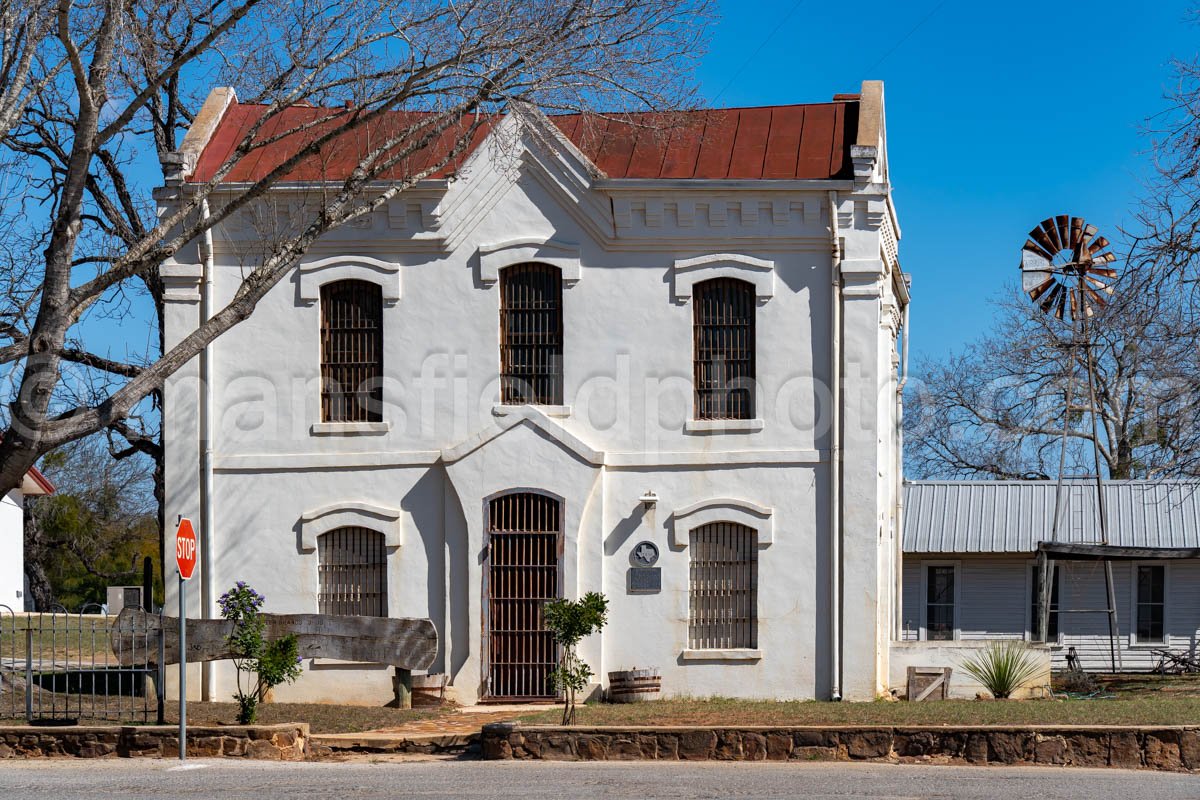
(452, 732)
(469, 719)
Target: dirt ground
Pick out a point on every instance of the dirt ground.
(1119, 700)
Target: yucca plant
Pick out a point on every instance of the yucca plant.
(1002, 667)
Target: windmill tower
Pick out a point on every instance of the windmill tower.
(1066, 269)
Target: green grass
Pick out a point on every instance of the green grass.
(723, 711)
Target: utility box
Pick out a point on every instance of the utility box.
(121, 597)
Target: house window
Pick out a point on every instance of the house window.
(723, 587)
(531, 335)
(1151, 585)
(723, 332)
(353, 572)
(351, 352)
(1035, 603)
(939, 602)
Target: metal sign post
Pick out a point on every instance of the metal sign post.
(185, 559)
(182, 670)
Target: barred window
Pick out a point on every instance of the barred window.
(531, 335)
(353, 572)
(723, 587)
(351, 352)
(723, 358)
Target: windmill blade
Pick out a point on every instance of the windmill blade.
(1051, 298)
(1097, 284)
(1095, 247)
(1089, 232)
(1033, 247)
(1077, 248)
(1037, 291)
(1100, 300)
(1040, 236)
(1062, 223)
(1052, 234)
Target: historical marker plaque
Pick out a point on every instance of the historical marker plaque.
(645, 580)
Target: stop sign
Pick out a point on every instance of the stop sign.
(185, 548)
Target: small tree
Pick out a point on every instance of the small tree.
(570, 621)
(269, 662)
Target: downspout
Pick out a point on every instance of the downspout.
(835, 455)
(206, 449)
(898, 469)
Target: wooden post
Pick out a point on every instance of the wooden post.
(403, 686)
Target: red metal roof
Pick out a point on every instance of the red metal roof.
(772, 142)
(41, 480)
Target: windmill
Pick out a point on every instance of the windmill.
(1066, 269)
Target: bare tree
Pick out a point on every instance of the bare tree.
(97, 93)
(998, 409)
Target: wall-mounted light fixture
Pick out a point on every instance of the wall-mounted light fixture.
(649, 500)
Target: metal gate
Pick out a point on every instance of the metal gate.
(524, 535)
(62, 668)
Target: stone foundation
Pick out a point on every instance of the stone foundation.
(288, 742)
(1163, 748)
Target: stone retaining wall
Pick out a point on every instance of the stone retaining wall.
(1174, 748)
(288, 742)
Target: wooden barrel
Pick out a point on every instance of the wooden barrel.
(428, 690)
(634, 685)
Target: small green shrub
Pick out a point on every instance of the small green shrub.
(265, 663)
(1002, 667)
(570, 621)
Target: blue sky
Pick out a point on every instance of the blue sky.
(999, 115)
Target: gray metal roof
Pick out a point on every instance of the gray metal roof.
(1013, 516)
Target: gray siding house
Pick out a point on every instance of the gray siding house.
(970, 554)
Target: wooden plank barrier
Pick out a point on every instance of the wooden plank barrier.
(407, 643)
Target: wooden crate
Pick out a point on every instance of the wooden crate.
(928, 683)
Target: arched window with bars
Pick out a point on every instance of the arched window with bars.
(723, 587)
(723, 349)
(353, 572)
(531, 335)
(351, 352)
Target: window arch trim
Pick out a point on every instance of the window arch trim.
(758, 272)
(551, 252)
(322, 520)
(319, 272)
(722, 509)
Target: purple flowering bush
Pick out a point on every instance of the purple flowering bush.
(261, 663)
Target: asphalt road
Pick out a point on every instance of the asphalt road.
(165, 780)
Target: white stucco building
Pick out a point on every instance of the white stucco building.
(585, 336)
(12, 539)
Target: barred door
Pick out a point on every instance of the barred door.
(523, 550)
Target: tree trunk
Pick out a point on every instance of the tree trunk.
(35, 554)
(1122, 470)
